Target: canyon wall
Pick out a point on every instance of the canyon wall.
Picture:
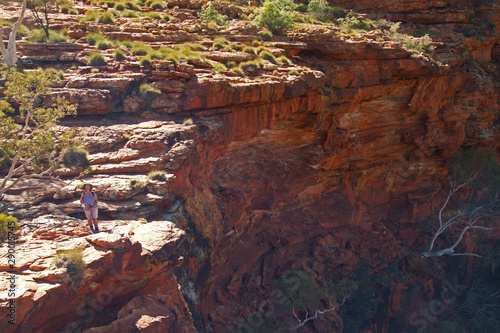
(322, 165)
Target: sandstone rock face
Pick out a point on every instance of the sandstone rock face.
(320, 165)
(114, 265)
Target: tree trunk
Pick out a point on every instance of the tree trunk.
(9, 53)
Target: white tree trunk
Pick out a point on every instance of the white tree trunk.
(9, 53)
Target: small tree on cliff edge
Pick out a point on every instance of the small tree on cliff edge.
(473, 201)
(9, 54)
(31, 143)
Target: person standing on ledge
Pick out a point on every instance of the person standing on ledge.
(89, 200)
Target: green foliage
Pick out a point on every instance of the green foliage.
(106, 18)
(249, 49)
(153, 15)
(209, 13)
(119, 6)
(283, 60)
(33, 142)
(159, 175)
(158, 5)
(127, 43)
(128, 13)
(148, 91)
(119, 55)
(300, 293)
(90, 15)
(238, 71)
(104, 44)
(96, 59)
(132, 6)
(318, 9)
(140, 49)
(72, 260)
(39, 36)
(76, 156)
(218, 66)
(7, 224)
(266, 34)
(23, 30)
(275, 15)
(268, 56)
(350, 23)
(413, 44)
(338, 12)
(220, 43)
(65, 8)
(94, 37)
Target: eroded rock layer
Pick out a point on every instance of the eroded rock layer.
(320, 165)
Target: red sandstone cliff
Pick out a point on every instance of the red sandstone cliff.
(317, 171)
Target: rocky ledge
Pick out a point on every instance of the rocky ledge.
(122, 275)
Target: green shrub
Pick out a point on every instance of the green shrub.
(260, 49)
(413, 44)
(318, 9)
(338, 12)
(301, 7)
(96, 59)
(212, 26)
(267, 35)
(194, 46)
(23, 30)
(283, 60)
(65, 9)
(76, 156)
(127, 43)
(104, 44)
(132, 6)
(255, 43)
(119, 55)
(90, 15)
(128, 13)
(153, 15)
(218, 67)
(140, 49)
(275, 15)
(158, 5)
(268, 56)
(38, 35)
(350, 23)
(251, 65)
(145, 61)
(6, 23)
(249, 49)
(209, 13)
(159, 175)
(7, 224)
(148, 91)
(72, 260)
(109, 4)
(106, 18)
(237, 46)
(120, 6)
(73, 11)
(238, 71)
(167, 17)
(94, 37)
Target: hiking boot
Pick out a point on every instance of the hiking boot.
(97, 229)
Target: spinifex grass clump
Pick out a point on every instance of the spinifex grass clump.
(72, 260)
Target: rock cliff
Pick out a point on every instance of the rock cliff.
(323, 165)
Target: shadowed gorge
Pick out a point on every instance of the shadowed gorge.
(291, 189)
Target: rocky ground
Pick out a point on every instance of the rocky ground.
(321, 164)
